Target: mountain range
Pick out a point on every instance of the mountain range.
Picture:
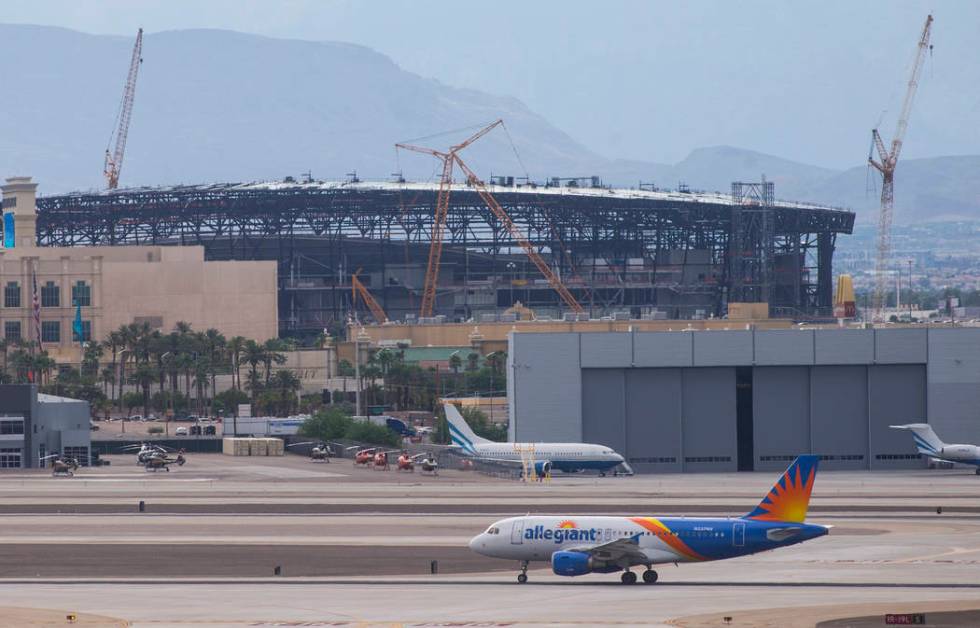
(216, 105)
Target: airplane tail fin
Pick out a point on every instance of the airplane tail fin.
(925, 439)
(789, 497)
(460, 432)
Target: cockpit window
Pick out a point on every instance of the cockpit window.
(493, 530)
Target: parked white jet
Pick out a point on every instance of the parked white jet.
(566, 457)
(929, 444)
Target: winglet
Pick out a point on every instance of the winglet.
(789, 497)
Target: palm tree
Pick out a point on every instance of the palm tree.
(253, 354)
(143, 376)
(215, 344)
(286, 382)
(108, 376)
(202, 378)
(4, 345)
(273, 348)
(42, 365)
(235, 347)
(114, 342)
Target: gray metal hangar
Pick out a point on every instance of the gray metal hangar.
(747, 399)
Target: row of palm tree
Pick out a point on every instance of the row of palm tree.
(146, 357)
(178, 364)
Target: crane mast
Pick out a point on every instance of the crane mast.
(515, 233)
(442, 209)
(358, 289)
(114, 160)
(886, 163)
(449, 159)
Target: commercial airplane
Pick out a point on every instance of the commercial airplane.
(576, 546)
(566, 457)
(929, 444)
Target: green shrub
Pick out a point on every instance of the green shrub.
(154, 429)
(328, 424)
(365, 432)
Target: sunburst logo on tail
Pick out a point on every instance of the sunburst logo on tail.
(789, 498)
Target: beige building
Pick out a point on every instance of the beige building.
(118, 285)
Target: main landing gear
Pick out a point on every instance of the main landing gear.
(522, 577)
(649, 577)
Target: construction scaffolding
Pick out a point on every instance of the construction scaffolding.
(619, 252)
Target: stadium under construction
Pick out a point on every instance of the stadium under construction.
(639, 253)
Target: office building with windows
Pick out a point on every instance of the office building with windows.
(33, 425)
(118, 285)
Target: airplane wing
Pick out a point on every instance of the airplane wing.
(615, 551)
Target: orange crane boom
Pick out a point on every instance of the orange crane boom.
(515, 233)
(886, 166)
(114, 160)
(442, 209)
(358, 288)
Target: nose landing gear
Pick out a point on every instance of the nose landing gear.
(522, 577)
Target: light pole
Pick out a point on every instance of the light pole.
(910, 291)
(511, 266)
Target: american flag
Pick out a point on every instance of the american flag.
(36, 305)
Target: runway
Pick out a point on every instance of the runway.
(355, 547)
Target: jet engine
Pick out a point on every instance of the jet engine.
(578, 564)
(960, 452)
(542, 467)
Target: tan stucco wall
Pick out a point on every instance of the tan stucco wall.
(236, 298)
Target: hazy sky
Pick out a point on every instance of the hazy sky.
(644, 80)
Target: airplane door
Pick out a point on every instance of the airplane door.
(517, 533)
(738, 534)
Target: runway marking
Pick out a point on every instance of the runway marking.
(397, 582)
(122, 477)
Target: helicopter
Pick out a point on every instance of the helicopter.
(321, 451)
(406, 463)
(381, 461)
(158, 461)
(363, 456)
(145, 451)
(428, 463)
(61, 466)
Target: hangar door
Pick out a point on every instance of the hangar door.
(898, 396)
(839, 416)
(638, 413)
(653, 420)
(709, 419)
(780, 415)
(604, 408)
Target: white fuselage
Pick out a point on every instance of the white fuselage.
(562, 456)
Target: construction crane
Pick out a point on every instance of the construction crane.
(515, 233)
(114, 160)
(358, 288)
(442, 209)
(886, 166)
